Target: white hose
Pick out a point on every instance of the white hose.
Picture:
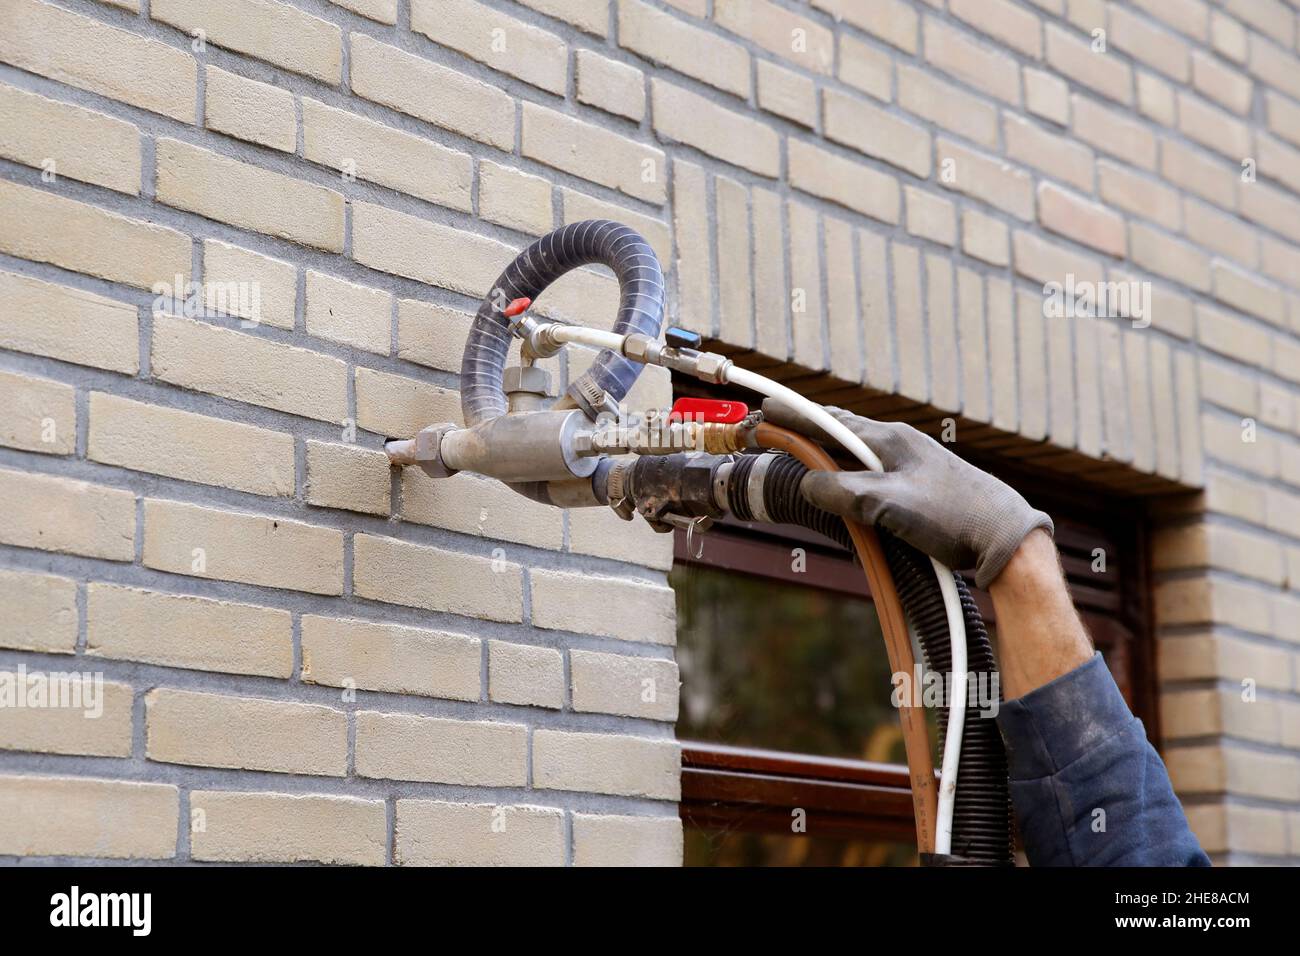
(818, 415)
(947, 586)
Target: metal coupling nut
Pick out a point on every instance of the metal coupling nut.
(526, 378)
(712, 367)
(425, 450)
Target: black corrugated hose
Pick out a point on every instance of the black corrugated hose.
(640, 309)
(982, 821)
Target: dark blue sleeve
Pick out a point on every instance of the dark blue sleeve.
(1088, 788)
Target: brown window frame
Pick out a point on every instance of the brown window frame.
(746, 788)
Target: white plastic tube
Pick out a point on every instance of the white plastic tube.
(957, 685)
(947, 586)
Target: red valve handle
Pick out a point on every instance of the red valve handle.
(709, 410)
(517, 306)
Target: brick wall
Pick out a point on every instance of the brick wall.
(306, 657)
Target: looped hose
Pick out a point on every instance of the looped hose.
(640, 309)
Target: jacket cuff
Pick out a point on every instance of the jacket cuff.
(1054, 725)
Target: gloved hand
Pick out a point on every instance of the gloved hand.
(939, 504)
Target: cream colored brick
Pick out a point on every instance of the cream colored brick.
(423, 89)
(855, 186)
(45, 227)
(177, 630)
(865, 67)
(381, 11)
(436, 833)
(594, 153)
(599, 532)
(1273, 65)
(40, 414)
(1057, 156)
(180, 444)
(893, 21)
(1248, 293)
(1119, 186)
(1009, 24)
(1047, 96)
(248, 196)
(1191, 17)
(1148, 43)
(1003, 373)
(82, 816)
(1213, 128)
(397, 407)
(576, 207)
(352, 314)
(514, 199)
(589, 16)
(347, 477)
(987, 178)
(389, 658)
(479, 506)
(680, 45)
(67, 140)
(233, 546)
(768, 232)
(435, 750)
(275, 32)
(525, 675)
(972, 345)
(806, 314)
(693, 262)
(385, 569)
(1211, 600)
(228, 270)
(41, 612)
(431, 334)
(1221, 84)
(1228, 37)
(245, 733)
(1273, 208)
(390, 157)
(609, 85)
(429, 252)
(609, 607)
(1044, 261)
(1156, 99)
(600, 840)
(686, 117)
(1166, 256)
(1031, 351)
(985, 238)
(626, 686)
(984, 68)
(1278, 260)
(843, 324)
(1224, 385)
(72, 517)
(87, 53)
(76, 326)
(607, 763)
(1283, 116)
(790, 36)
(874, 309)
(511, 46)
(875, 132)
(929, 98)
(1198, 173)
(1278, 161)
(81, 716)
(909, 316)
(1080, 219)
(1072, 56)
(1114, 133)
(787, 93)
(249, 368)
(245, 109)
(1213, 656)
(288, 828)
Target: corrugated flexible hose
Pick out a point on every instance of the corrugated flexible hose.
(640, 309)
(982, 820)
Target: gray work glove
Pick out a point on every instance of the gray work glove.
(939, 504)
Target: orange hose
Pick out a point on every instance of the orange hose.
(893, 622)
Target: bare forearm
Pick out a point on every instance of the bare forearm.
(1040, 636)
